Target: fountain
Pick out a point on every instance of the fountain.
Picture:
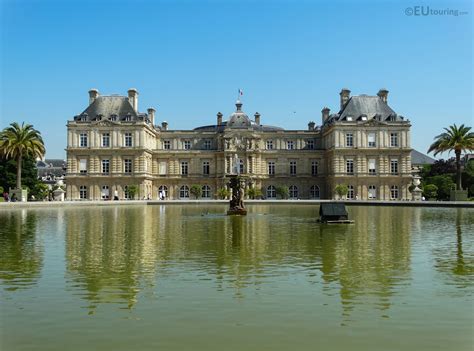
(237, 186)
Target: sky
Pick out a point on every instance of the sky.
(188, 59)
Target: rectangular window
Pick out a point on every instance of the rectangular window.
(106, 140)
(105, 166)
(372, 192)
(184, 167)
(292, 167)
(350, 166)
(207, 144)
(83, 139)
(127, 166)
(394, 166)
(205, 168)
(83, 165)
(371, 139)
(372, 166)
(82, 192)
(166, 144)
(187, 145)
(162, 169)
(349, 140)
(128, 140)
(271, 168)
(310, 144)
(269, 144)
(393, 139)
(314, 167)
(350, 192)
(290, 145)
(394, 192)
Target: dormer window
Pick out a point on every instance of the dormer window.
(363, 118)
(128, 118)
(349, 118)
(113, 118)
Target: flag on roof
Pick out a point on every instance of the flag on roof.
(241, 92)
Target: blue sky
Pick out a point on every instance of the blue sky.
(188, 58)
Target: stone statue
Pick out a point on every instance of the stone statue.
(236, 165)
(236, 205)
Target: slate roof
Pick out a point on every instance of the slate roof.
(107, 106)
(364, 105)
(417, 158)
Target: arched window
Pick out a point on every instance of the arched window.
(271, 192)
(351, 192)
(184, 192)
(293, 190)
(372, 192)
(206, 191)
(83, 192)
(105, 192)
(315, 192)
(163, 192)
(394, 192)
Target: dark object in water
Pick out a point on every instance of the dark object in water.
(333, 213)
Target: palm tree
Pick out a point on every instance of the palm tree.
(457, 139)
(17, 141)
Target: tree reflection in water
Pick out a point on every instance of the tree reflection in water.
(21, 255)
(114, 253)
(451, 259)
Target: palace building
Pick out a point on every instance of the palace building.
(112, 146)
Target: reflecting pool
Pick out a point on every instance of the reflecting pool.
(190, 278)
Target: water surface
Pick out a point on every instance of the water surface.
(190, 278)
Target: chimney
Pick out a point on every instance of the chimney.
(164, 125)
(219, 118)
(383, 94)
(151, 115)
(133, 98)
(345, 95)
(93, 94)
(257, 118)
(325, 114)
(311, 125)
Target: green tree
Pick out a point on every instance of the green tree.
(40, 191)
(341, 190)
(196, 191)
(29, 173)
(457, 140)
(430, 191)
(132, 191)
(223, 193)
(254, 193)
(17, 141)
(444, 183)
(282, 191)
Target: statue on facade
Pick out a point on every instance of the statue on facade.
(236, 165)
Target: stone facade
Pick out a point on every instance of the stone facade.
(112, 146)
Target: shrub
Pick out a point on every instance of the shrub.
(223, 193)
(282, 191)
(196, 191)
(430, 191)
(254, 193)
(132, 191)
(341, 190)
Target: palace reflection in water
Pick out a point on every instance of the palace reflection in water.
(114, 253)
